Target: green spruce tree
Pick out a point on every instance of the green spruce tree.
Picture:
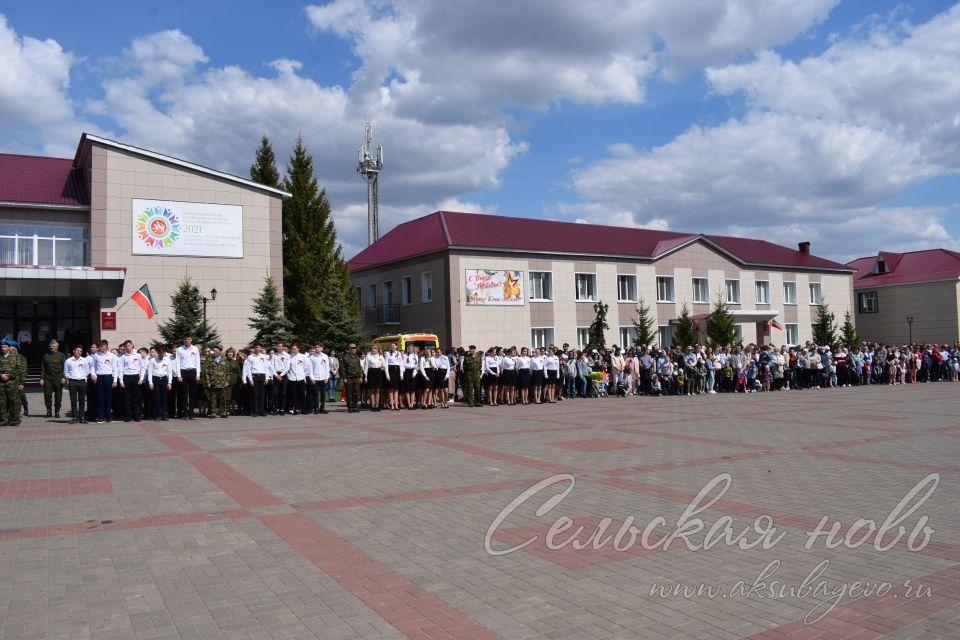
(824, 329)
(187, 319)
(848, 332)
(721, 325)
(644, 325)
(598, 326)
(685, 335)
(317, 294)
(264, 169)
(270, 324)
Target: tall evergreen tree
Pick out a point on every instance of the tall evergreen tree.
(264, 169)
(318, 296)
(721, 325)
(685, 335)
(848, 332)
(598, 326)
(187, 319)
(268, 320)
(824, 329)
(644, 325)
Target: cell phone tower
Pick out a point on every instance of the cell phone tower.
(369, 167)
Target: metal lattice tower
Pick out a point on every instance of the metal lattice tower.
(369, 167)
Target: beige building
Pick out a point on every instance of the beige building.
(485, 280)
(79, 236)
(908, 296)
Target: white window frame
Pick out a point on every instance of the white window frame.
(548, 337)
(819, 287)
(766, 290)
(726, 290)
(633, 288)
(576, 288)
(426, 292)
(549, 298)
(873, 296)
(706, 298)
(673, 289)
(583, 337)
(786, 299)
(795, 330)
(665, 329)
(627, 334)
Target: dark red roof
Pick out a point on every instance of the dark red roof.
(40, 180)
(445, 229)
(903, 268)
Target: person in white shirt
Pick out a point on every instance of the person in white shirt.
(160, 380)
(425, 378)
(523, 375)
(75, 372)
(374, 372)
(296, 379)
(319, 378)
(188, 363)
(131, 375)
(537, 378)
(280, 361)
(91, 384)
(257, 373)
(394, 364)
(508, 376)
(409, 370)
(491, 376)
(104, 368)
(551, 367)
(441, 374)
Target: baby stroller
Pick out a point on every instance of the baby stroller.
(598, 384)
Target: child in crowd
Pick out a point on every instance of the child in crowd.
(655, 385)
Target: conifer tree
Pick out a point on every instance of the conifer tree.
(187, 319)
(598, 326)
(848, 332)
(643, 325)
(264, 169)
(824, 329)
(685, 335)
(721, 325)
(270, 324)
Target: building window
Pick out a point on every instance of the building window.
(737, 334)
(665, 336)
(426, 287)
(586, 287)
(868, 302)
(701, 291)
(541, 338)
(371, 296)
(733, 291)
(627, 336)
(36, 244)
(541, 285)
(583, 337)
(789, 293)
(665, 289)
(406, 290)
(816, 296)
(793, 333)
(762, 290)
(627, 288)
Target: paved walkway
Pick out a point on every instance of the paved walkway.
(373, 526)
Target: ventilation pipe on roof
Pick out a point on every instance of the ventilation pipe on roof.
(804, 247)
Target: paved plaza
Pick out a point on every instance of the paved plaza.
(377, 525)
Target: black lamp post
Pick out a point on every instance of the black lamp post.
(213, 296)
(910, 325)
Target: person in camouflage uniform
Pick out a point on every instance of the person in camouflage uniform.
(10, 382)
(51, 376)
(472, 366)
(216, 380)
(233, 383)
(352, 374)
(23, 378)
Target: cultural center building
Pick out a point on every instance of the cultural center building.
(496, 280)
(78, 236)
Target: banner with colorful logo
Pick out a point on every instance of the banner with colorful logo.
(187, 229)
(487, 287)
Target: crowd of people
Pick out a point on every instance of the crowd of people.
(185, 382)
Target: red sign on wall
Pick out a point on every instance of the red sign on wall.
(108, 320)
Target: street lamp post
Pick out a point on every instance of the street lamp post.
(213, 296)
(910, 325)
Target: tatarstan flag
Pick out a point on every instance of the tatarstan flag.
(143, 298)
(776, 325)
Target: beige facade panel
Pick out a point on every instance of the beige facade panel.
(932, 305)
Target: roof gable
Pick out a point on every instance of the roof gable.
(903, 268)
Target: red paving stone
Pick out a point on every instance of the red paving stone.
(245, 492)
(11, 490)
(595, 445)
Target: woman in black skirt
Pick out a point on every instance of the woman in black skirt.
(411, 371)
(441, 375)
(375, 374)
(508, 376)
(536, 373)
(523, 375)
(491, 377)
(394, 361)
(425, 379)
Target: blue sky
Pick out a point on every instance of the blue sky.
(835, 122)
